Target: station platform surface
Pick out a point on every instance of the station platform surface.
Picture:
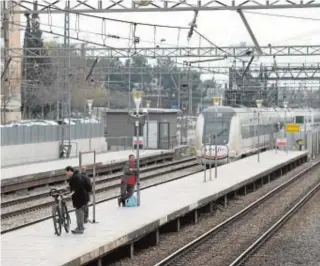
(104, 158)
(37, 245)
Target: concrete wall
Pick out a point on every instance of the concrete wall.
(46, 151)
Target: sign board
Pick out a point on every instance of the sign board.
(281, 142)
(299, 119)
(292, 128)
(174, 106)
(300, 142)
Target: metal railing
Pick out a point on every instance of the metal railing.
(126, 143)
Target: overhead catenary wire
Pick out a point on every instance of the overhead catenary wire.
(94, 33)
(281, 15)
(110, 19)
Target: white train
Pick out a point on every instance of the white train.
(235, 130)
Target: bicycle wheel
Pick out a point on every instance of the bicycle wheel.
(56, 220)
(66, 218)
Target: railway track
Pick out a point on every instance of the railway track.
(233, 241)
(31, 182)
(21, 206)
(99, 180)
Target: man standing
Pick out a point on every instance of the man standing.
(80, 197)
(128, 180)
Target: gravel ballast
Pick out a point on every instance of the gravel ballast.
(296, 243)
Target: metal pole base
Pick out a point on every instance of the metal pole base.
(138, 194)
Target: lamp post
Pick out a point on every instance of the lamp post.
(137, 98)
(285, 105)
(148, 103)
(216, 102)
(89, 103)
(259, 104)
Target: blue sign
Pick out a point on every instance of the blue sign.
(174, 106)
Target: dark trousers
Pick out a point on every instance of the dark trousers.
(86, 212)
(126, 191)
(80, 218)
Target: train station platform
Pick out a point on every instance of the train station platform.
(58, 165)
(37, 245)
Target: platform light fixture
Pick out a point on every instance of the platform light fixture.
(137, 97)
(259, 105)
(89, 103)
(216, 100)
(285, 105)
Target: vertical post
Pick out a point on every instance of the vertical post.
(259, 104)
(80, 161)
(205, 164)
(305, 134)
(215, 157)
(216, 102)
(67, 45)
(190, 92)
(129, 81)
(138, 162)
(258, 132)
(210, 162)
(94, 187)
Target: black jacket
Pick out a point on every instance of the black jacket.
(80, 196)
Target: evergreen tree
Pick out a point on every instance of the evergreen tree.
(35, 70)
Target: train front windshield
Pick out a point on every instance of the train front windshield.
(216, 125)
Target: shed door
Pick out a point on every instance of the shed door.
(151, 134)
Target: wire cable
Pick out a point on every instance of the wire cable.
(280, 15)
(110, 19)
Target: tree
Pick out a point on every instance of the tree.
(36, 72)
(6, 96)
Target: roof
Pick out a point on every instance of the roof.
(150, 110)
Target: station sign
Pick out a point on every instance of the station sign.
(281, 142)
(292, 128)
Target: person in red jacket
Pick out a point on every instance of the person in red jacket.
(128, 180)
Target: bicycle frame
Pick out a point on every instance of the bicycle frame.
(59, 200)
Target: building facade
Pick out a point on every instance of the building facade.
(11, 82)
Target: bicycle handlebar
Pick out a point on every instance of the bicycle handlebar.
(55, 192)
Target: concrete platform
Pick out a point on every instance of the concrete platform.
(52, 166)
(37, 245)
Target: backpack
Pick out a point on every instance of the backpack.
(132, 201)
(87, 183)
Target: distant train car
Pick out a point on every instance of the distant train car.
(234, 131)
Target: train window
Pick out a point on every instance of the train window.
(245, 131)
(217, 127)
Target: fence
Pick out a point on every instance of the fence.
(36, 134)
(126, 143)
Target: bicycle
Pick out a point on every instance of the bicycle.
(60, 214)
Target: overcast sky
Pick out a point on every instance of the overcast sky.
(224, 28)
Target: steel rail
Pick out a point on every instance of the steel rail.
(275, 227)
(102, 179)
(106, 187)
(193, 244)
(195, 170)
